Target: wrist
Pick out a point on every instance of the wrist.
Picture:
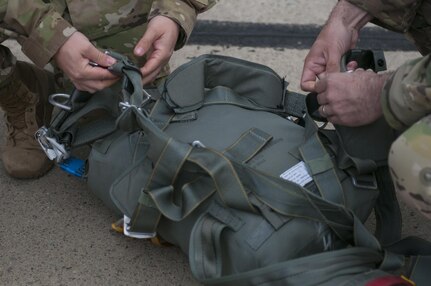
(349, 16)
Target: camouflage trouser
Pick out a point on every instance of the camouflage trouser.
(24, 79)
(410, 163)
(7, 64)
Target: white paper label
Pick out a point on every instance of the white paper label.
(297, 174)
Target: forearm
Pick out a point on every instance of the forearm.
(394, 15)
(349, 15)
(184, 14)
(406, 96)
(41, 28)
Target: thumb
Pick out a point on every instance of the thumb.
(100, 58)
(321, 85)
(334, 62)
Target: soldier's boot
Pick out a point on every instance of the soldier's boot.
(24, 99)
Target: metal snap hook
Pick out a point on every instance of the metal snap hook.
(59, 100)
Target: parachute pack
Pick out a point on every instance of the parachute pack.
(223, 161)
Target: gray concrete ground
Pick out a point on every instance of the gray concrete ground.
(54, 232)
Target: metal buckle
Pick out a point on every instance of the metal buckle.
(135, 234)
(198, 144)
(50, 146)
(60, 104)
(365, 182)
(125, 104)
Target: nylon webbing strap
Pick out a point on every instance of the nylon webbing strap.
(387, 210)
(248, 145)
(420, 252)
(93, 129)
(205, 248)
(420, 272)
(323, 269)
(320, 165)
(145, 217)
(132, 79)
(294, 104)
(193, 194)
(292, 200)
(106, 100)
(161, 114)
(345, 160)
(226, 181)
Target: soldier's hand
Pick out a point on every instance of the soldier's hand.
(325, 54)
(339, 35)
(157, 45)
(73, 59)
(351, 99)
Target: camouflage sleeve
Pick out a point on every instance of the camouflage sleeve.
(183, 12)
(41, 28)
(395, 15)
(406, 96)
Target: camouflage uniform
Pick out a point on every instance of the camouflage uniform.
(42, 27)
(406, 99)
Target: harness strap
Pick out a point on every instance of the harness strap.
(159, 187)
(320, 164)
(170, 161)
(387, 209)
(84, 132)
(294, 104)
(248, 145)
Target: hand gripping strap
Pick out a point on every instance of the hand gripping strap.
(83, 103)
(132, 79)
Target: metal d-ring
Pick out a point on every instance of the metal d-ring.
(53, 99)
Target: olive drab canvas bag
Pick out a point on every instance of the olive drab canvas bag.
(223, 161)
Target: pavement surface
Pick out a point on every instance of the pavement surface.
(53, 231)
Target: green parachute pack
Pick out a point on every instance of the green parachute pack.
(223, 161)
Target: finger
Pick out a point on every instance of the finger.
(100, 58)
(308, 85)
(352, 65)
(82, 87)
(314, 64)
(94, 85)
(321, 85)
(334, 56)
(322, 75)
(149, 78)
(145, 42)
(97, 73)
(333, 64)
(321, 98)
(308, 79)
(323, 110)
(154, 63)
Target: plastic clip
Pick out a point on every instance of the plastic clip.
(73, 166)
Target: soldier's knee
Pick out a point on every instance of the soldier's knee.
(410, 165)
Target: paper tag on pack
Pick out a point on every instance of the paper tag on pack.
(297, 174)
